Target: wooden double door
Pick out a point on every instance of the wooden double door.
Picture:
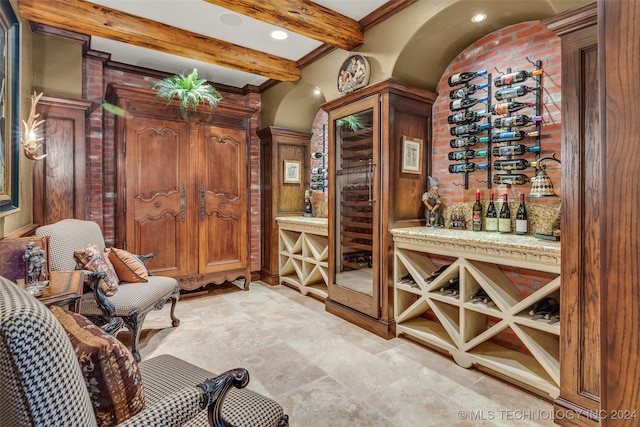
(185, 197)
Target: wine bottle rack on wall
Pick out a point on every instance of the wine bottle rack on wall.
(507, 170)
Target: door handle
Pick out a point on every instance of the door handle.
(202, 205)
(182, 202)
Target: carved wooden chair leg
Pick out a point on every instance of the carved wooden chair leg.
(174, 320)
(134, 324)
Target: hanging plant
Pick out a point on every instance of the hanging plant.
(353, 122)
(190, 91)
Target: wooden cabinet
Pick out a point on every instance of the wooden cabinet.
(183, 188)
(59, 179)
(370, 193)
(581, 217)
(280, 199)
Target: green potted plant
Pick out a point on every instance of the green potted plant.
(190, 91)
(353, 122)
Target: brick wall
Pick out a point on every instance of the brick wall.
(101, 157)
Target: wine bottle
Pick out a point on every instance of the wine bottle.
(517, 77)
(516, 135)
(464, 103)
(492, 216)
(436, 273)
(318, 171)
(465, 91)
(466, 167)
(318, 186)
(513, 92)
(477, 213)
(504, 222)
(518, 164)
(465, 117)
(510, 150)
(481, 295)
(317, 178)
(510, 107)
(461, 155)
(554, 313)
(522, 225)
(470, 129)
(460, 78)
(452, 287)
(511, 179)
(318, 155)
(468, 141)
(519, 120)
(542, 307)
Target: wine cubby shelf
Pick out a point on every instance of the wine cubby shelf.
(303, 252)
(466, 329)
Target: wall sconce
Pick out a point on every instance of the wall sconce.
(542, 186)
(30, 139)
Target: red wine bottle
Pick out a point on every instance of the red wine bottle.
(482, 296)
(461, 78)
(465, 117)
(464, 103)
(510, 107)
(318, 155)
(510, 150)
(465, 91)
(517, 77)
(513, 92)
(543, 307)
(516, 135)
(522, 225)
(510, 179)
(504, 222)
(467, 141)
(492, 216)
(470, 129)
(508, 165)
(477, 213)
(519, 120)
(466, 167)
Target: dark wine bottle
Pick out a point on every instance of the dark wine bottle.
(481, 295)
(317, 178)
(492, 216)
(509, 93)
(318, 171)
(466, 167)
(517, 77)
(318, 155)
(522, 224)
(516, 135)
(460, 78)
(542, 307)
(510, 179)
(436, 273)
(504, 222)
(465, 91)
(510, 150)
(510, 107)
(519, 120)
(470, 129)
(477, 213)
(452, 287)
(318, 186)
(461, 155)
(518, 164)
(464, 103)
(465, 117)
(468, 141)
(554, 313)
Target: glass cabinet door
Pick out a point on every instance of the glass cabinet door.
(355, 189)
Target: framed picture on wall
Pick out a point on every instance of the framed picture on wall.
(411, 154)
(291, 171)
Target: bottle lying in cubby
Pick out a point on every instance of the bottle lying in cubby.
(547, 308)
(452, 287)
(481, 296)
(436, 273)
(408, 279)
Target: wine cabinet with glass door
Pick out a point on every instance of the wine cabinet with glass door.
(379, 143)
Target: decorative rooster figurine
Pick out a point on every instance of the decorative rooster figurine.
(29, 139)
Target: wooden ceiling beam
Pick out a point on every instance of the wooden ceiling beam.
(92, 19)
(302, 17)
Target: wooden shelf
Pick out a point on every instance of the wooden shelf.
(467, 329)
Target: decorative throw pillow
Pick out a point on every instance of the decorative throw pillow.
(110, 372)
(93, 259)
(128, 266)
(12, 264)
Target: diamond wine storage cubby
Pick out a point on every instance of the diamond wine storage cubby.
(303, 253)
(472, 309)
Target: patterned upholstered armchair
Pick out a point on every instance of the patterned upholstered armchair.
(42, 382)
(131, 302)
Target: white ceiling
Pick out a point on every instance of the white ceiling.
(210, 20)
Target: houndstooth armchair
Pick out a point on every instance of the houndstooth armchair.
(42, 384)
(130, 303)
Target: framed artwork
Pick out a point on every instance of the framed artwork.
(411, 154)
(9, 108)
(354, 74)
(291, 171)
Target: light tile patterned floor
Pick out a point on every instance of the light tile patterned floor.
(327, 372)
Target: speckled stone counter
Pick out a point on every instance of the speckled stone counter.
(304, 223)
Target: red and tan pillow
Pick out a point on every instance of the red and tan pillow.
(93, 259)
(128, 267)
(110, 372)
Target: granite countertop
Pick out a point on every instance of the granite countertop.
(480, 238)
(302, 220)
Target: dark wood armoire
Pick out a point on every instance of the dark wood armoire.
(183, 187)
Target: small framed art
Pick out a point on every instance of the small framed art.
(411, 155)
(291, 171)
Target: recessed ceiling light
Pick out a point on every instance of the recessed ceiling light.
(279, 35)
(231, 19)
(317, 91)
(479, 17)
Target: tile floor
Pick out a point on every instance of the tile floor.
(325, 371)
